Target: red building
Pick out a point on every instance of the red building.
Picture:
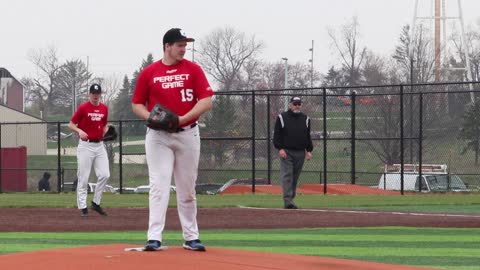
(12, 91)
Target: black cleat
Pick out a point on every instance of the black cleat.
(95, 207)
(291, 206)
(84, 212)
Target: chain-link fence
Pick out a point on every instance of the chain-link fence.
(358, 133)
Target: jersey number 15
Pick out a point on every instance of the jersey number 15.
(187, 95)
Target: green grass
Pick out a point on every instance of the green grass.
(454, 203)
(454, 249)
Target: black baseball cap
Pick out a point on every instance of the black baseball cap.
(295, 100)
(95, 88)
(174, 35)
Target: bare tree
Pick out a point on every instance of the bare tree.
(384, 123)
(375, 69)
(472, 41)
(111, 86)
(31, 105)
(45, 86)
(351, 53)
(272, 76)
(251, 78)
(299, 75)
(223, 54)
(384, 119)
(72, 82)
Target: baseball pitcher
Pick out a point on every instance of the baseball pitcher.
(171, 94)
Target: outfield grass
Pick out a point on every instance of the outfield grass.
(454, 203)
(455, 249)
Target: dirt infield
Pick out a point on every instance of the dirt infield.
(114, 257)
(63, 219)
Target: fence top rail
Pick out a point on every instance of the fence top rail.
(346, 87)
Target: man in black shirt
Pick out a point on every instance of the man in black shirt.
(294, 144)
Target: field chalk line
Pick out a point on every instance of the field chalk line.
(368, 212)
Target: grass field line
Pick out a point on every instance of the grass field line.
(369, 212)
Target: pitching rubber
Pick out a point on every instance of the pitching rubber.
(143, 248)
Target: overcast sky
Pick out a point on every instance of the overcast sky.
(116, 35)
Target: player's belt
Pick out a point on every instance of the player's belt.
(187, 127)
(92, 141)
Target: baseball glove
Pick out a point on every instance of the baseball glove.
(162, 119)
(111, 134)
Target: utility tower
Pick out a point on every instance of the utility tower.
(438, 20)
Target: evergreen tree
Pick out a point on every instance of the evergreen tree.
(145, 63)
(470, 132)
(221, 122)
(134, 127)
(123, 103)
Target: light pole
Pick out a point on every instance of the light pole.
(193, 51)
(286, 81)
(74, 99)
(311, 66)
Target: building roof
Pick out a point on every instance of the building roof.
(4, 73)
(36, 117)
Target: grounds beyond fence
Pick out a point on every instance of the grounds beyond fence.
(355, 130)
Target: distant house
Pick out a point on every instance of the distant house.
(21, 129)
(12, 91)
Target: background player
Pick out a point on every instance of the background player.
(90, 122)
(182, 87)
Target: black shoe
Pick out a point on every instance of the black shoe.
(95, 207)
(84, 212)
(153, 245)
(291, 206)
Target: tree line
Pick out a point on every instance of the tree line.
(233, 60)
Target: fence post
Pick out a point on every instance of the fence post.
(402, 161)
(352, 142)
(384, 180)
(59, 161)
(253, 141)
(324, 140)
(420, 141)
(269, 143)
(120, 157)
(63, 175)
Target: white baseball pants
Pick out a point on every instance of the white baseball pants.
(89, 154)
(177, 154)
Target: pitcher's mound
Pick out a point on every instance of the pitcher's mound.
(114, 257)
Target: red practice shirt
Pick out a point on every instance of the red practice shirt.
(177, 87)
(91, 119)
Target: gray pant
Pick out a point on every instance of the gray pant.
(290, 169)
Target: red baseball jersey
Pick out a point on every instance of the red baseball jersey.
(91, 119)
(177, 87)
